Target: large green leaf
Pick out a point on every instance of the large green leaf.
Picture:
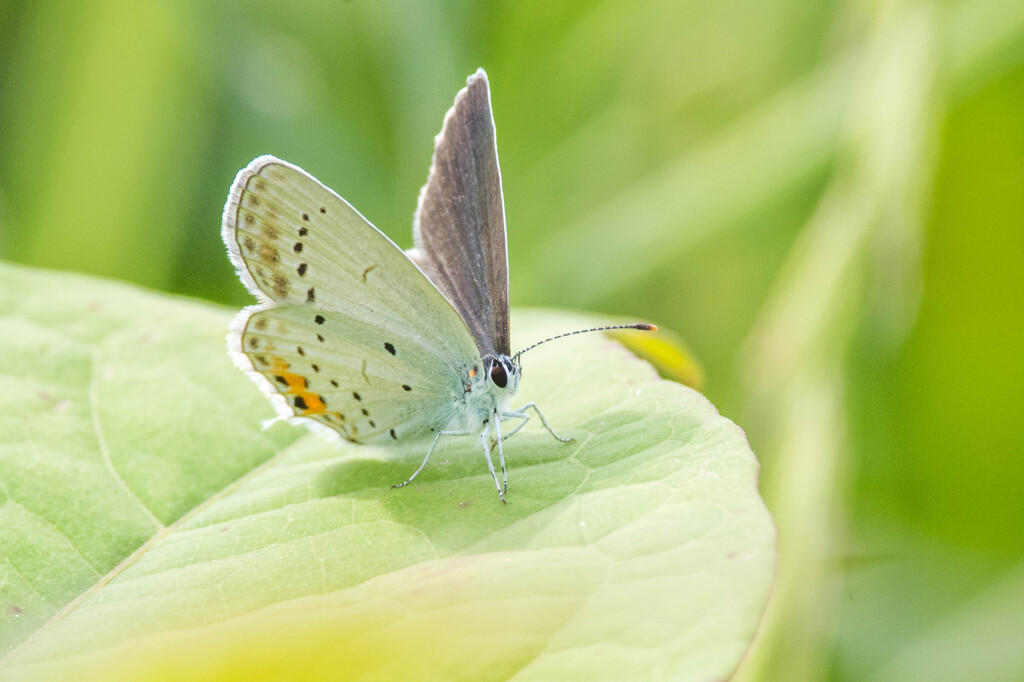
(150, 529)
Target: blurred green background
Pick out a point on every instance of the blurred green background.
(825, 199)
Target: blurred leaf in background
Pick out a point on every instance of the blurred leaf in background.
(823, 199)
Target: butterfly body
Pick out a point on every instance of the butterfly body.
(354, 337)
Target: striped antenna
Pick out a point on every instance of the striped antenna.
(641, 326)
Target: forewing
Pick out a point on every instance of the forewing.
(459, 228)
(341, 304)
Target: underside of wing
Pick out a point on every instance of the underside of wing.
(349, 332)
(459, 228)
(355, 378)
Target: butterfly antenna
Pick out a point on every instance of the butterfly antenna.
(642, 326)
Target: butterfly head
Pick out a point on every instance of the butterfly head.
(502, 373)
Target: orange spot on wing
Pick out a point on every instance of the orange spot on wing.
(297, 385)
(313, 404)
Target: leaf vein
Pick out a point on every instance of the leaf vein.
(105, 449)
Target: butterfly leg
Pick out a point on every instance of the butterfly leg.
(521, 414)
(429, 451)
(501, 452)
(484, 438)
(515, 415)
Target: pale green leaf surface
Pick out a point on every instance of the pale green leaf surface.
(129, 441)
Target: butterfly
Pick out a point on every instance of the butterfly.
(354, 337)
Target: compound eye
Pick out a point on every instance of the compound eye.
(498, 375)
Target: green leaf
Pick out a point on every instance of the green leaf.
(150, 529)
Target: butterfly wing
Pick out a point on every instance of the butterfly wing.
(349, 333)
(459, 228)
